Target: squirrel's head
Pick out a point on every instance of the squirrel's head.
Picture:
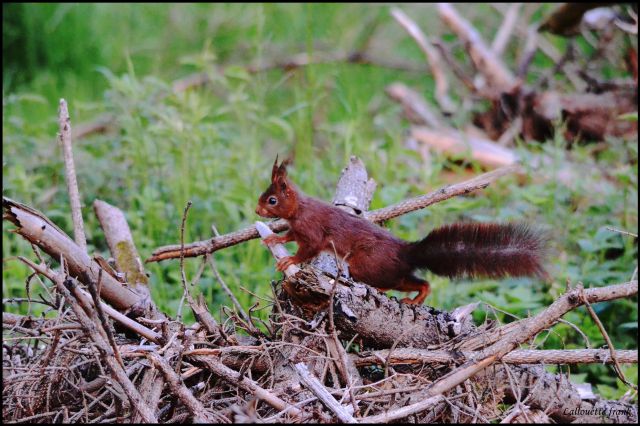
(280, 198)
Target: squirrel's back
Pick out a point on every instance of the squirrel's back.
(336, 224)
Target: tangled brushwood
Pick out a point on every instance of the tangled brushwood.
(331, 350)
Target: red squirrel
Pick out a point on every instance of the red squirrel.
(376, 257)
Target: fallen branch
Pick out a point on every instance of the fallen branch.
(323, 395)
(114, 314)
(40, 231)
(198, 411)
(118, 235)
(415, 107)
(246, 384)
(116, 370)
(486, 61)
(452, 142)
(521, 356)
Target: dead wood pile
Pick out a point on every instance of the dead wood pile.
(332, 350)
(573, 95)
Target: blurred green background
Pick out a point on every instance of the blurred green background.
(214, 145)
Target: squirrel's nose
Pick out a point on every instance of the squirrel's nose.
(258, 210)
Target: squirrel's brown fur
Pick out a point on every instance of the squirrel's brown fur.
(379, 259)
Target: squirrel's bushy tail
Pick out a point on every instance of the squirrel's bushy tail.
(481, 250)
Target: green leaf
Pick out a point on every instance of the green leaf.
(630, 116)
(237, 72)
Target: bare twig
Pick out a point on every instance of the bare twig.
(214, 244)
(114, 314)
(457, 70)
(604, 333)
(199, 308)
(226, 289)
(444, 193)
(246, 384)
(323, 395)
(116, 370)
(506, 29)
(433, 58)
(183, 278)
(620, 231)
(198, 411)
(72, 183)
(97, 306)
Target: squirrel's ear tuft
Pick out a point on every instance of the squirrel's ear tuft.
(279, 171)
(274, 169)
(281, 182)
(282, 170)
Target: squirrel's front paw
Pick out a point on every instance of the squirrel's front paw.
(284, 263)
(272, 239)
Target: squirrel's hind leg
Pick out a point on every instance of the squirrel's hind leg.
(413, 283)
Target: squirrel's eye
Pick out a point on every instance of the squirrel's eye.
(272, 201)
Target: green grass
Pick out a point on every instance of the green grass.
(215, 146)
